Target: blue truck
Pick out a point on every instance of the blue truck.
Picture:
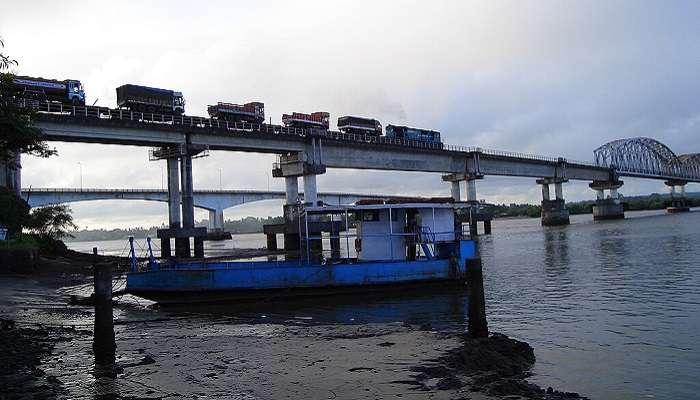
(42, 89)
(416, 134)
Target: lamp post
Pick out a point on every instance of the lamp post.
(80, 165)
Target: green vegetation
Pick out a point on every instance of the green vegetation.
(635, 203)
(17, 133)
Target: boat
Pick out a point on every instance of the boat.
(395, 244)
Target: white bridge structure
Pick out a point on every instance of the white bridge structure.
(214, 201)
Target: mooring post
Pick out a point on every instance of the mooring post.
(103, 341)
(477, 326)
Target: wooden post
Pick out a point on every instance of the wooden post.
(477, 325)
(487, 227)
(103, 341)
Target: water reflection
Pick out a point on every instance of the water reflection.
(441, 308)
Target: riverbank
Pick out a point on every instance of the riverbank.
(251, 351)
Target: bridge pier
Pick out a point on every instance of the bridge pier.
(216, 219)
(291, 166)
(180, 203)
(554, 212)
(679, 203)
(11, 175)
(471, 178)
(611, 207)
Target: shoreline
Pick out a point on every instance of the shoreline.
(381, 359)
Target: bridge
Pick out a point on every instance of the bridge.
(308, 152)
(214, 201)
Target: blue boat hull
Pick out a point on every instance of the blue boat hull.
(207, 281)
(222, 281)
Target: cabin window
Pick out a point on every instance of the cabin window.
(370, 216)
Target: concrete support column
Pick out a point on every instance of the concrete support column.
(182, 244)
(554, 212)
(558, 191)
(454, 189)
(600, 194)
(613, 194)
(310, 192)
(545, 191)
(173, 193)
(291, 184)
(610, 208)
(187, 192)
(678, 201)
(471, 190)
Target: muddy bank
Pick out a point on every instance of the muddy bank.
(258, 351)
(23, 348)
(497, 366)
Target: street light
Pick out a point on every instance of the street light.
(80, 165)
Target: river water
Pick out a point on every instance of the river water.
(612, 308)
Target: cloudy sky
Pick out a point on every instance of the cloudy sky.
(546, 77)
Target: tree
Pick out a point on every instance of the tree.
(17, 133)
(54, 222)
(5, 61)
(14, 212)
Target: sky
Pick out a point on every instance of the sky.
(556, 78)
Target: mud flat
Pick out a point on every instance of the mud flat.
(194, 354)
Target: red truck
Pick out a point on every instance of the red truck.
(250, 112)
(318, 120)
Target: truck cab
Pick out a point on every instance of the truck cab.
(76, 94)
(178, 103)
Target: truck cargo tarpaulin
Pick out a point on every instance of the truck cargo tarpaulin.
(300, 120)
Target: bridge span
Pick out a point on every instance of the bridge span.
(214, 201)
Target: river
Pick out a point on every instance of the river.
(612, 308)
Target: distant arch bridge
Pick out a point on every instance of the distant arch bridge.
(648, 158)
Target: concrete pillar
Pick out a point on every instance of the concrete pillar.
(216, 219)
(187, 192)
(678, 201)
(610, 208)
(182, 245)
(173, 193)
(291, 184)
(310, 193)
(454, 188)
(600, 194)
(558, 190)
(554, 212)
(545, 191)
(471, 190)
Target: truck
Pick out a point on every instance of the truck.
(150, 99)
(317, 120)
(359, 126)
(408, 133)
(42, 89)
(253, 112)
